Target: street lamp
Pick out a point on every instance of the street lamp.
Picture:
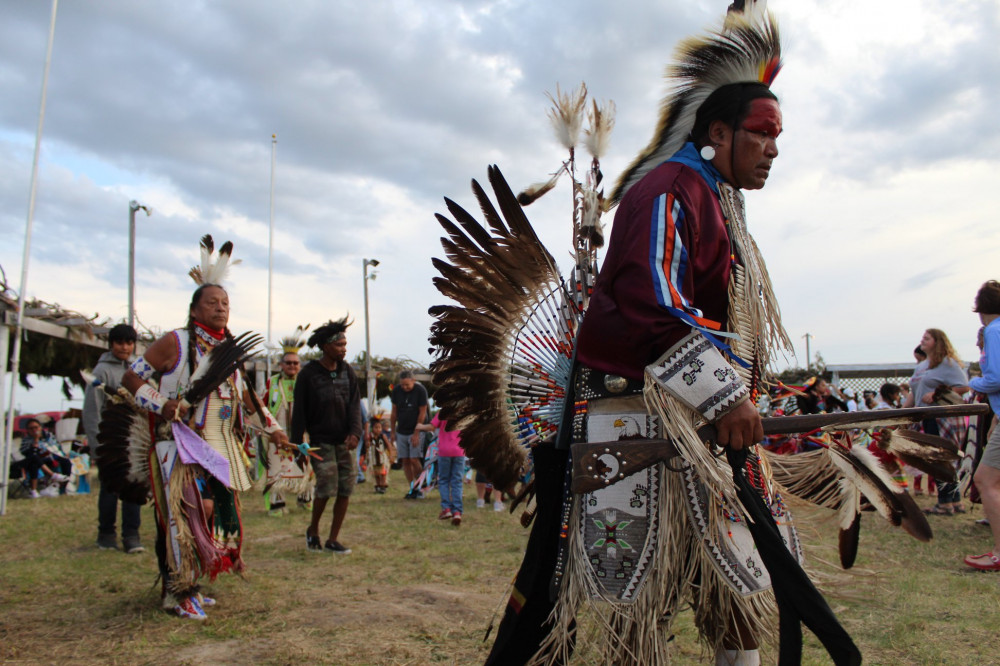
(370, 381)
(133, 206)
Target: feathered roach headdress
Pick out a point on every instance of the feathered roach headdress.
(746, 49)
(213, 270)
(328, 332)
(294, 342)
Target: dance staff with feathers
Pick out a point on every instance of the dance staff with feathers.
(677, 331)
(182, 431)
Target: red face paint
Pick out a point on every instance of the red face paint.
(764, 117)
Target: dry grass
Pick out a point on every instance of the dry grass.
(418, 591)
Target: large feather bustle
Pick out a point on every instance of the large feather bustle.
(503, 351)
(746, 49)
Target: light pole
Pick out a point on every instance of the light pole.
(133, 206)
(369, 380)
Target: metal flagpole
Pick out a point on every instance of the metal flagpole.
(16, 355)
(270, 255)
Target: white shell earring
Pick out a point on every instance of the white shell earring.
(707, 153)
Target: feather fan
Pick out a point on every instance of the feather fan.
(122, 458)
(223, 360)
(504, 352)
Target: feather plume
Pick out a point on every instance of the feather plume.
(567, 114)
(534, 192)
(850, 523)
(209, 271)
(601, 120)
(503, 351)
(746, 49)
(930, 454)
(863, 469)
(294, 342)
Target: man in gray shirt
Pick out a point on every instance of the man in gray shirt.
(108, 372)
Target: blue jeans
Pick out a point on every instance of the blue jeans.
(450, 473)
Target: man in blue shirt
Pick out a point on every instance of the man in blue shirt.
(987, 476)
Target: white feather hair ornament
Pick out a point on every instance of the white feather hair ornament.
(213, 270)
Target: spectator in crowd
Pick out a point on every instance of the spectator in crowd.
(485, 492)
(451, 468)
(381, 452)
(819, 398)
(847, 394)
(409, 407)
(888, 396)
(108, 374)
(987, 476)
(941, 375)
(328, 407)
(39, 449)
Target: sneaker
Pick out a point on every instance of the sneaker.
(480, 503)
(49, 491)
(276, 513)
(445, 514)
(205, 601)
(337, 548)
(456, 519)
(412, 495)
(419, 494)
(107, 542)
(60, 478)
(33, 494)
(131, 545)
(312, 543)
(498, 506)
(190, 609)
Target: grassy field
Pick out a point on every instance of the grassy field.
(419, 591)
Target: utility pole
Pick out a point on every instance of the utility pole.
(807, 336)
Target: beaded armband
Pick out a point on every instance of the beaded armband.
(150, 399)
(142, 368)
(697, 374)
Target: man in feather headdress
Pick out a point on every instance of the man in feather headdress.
(287, 471)
(679, 330)
(328, 407)
(195, 485)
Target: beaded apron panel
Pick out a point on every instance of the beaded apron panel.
(724, 534)
(619, 524)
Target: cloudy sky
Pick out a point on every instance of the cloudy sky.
(877, 220)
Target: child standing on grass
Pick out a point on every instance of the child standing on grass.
(380, 455)
(451, 469)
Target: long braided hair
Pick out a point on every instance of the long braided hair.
(191, 328)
